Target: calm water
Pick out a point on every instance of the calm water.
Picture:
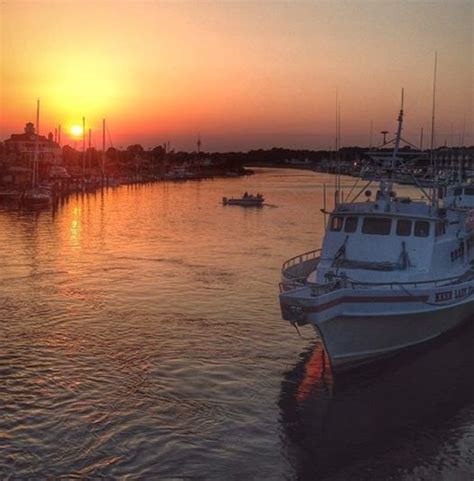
(141, 338)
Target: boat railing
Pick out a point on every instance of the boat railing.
(299, 267)
(295, 272)
(447, 281)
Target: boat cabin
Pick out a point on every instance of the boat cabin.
(461, 196)
(403, 241)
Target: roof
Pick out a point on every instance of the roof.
(28, 138)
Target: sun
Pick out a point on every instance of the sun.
(76, 130)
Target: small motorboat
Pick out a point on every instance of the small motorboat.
(247, 200)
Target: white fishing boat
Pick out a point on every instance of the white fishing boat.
(392, 272)
(247, 200)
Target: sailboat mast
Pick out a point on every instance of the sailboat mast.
(463, 131)
(35, 161)
(103, 148)
(432, 156)
(83, 149)
(336, 152)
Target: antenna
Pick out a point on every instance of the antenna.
(421, 139)
(397, 143)
(463, 131)
(384, 133)
(371, 128)
(199, 143)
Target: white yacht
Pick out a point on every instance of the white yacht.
(392, 272)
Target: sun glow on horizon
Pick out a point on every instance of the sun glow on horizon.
(76, 130)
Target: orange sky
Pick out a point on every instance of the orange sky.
(243, 74)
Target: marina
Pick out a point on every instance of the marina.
(223, 256)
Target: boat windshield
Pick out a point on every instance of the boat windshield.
(377, 225)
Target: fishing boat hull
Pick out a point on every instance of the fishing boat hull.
(352, 341)
(357, 329)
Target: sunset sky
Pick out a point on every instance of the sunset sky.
(243, 74)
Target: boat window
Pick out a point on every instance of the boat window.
(404, 227)
(440, 229)
(336, 223)
(469, 191)
(376, 225)
(422, 228)
(350, 225)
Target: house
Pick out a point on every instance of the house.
(16, 165)
(20, 148)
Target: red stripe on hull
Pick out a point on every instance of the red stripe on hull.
(356, 300)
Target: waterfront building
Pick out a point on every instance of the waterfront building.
(21, 147)
(19, 155)
(452, 159)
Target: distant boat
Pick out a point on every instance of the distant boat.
(247, 200)
(37, 197)
(179, 172)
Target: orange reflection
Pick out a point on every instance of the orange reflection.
(75, 229)
(317, 372)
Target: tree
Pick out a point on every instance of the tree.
(158, 153)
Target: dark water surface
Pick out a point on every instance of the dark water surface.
(141, 338)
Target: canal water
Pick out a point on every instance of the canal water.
(141, 338)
